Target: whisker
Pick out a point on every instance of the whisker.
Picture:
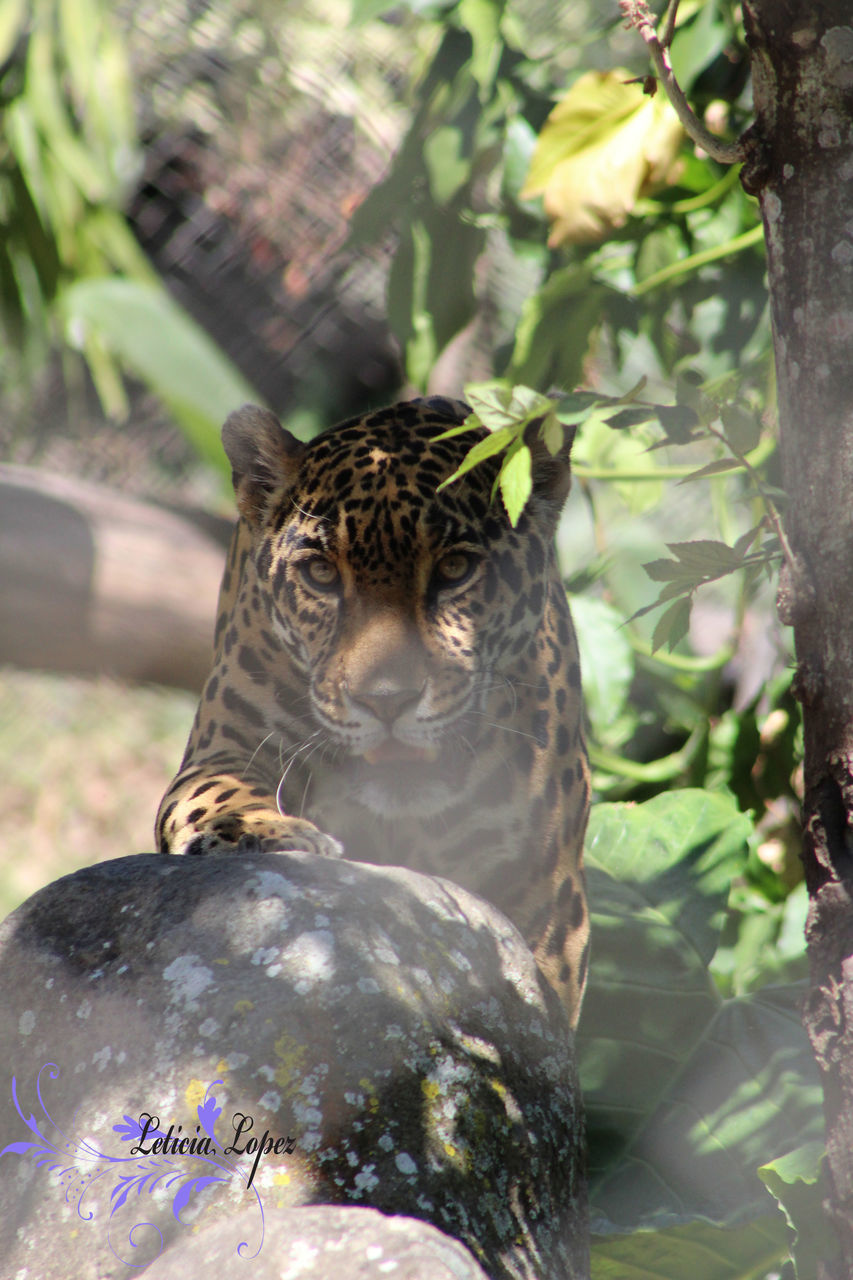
(506, 728)
(316, 747)
(295, 752)
(260, 745)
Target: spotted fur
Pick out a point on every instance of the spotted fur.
(396, 673)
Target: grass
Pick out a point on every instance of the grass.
(83, 764)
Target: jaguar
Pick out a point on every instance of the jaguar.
(395, 672)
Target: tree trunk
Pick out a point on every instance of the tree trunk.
(801, 167)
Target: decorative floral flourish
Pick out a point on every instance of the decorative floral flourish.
(79, 1164)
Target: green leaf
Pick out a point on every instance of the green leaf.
(749, 1086)
(573, 407)
(486, 448)
(421, 346)
(697, 42)
(685, 1093)
(553, 331)
(695, 261)
(44, 99)
(706, 556)
(672, 590)
(678, 421)
(481, 19)
(673, 624)
(362, 11)
(659, 875)
(742, 428)
(553, 434)
(713, 469)
(798, 1183)
(506, 412)
(447, 166)
(140, 324)
(746, 540)
(12, 16)
(519, 143)
(499, 404)
(516, 481)
(659, 249)
(689, 393)
(667, 571)
(607, 661)
(634, 416)
(697, 1250)
(426, 304)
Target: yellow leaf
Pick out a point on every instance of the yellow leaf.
(602, 148)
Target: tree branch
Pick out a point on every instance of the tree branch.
(638, 16)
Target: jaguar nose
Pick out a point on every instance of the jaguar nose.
(386, 700)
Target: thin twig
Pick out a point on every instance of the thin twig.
(638, 16)
(668, 24)
(769, 505)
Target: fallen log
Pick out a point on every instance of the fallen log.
(95, 582)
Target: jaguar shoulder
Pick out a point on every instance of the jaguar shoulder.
(396, 673)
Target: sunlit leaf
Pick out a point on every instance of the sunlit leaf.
(798, 1183)
(446, 164)
(516, 482)
(499, 404)
(603, 147)
(481, 18)
(479, 452)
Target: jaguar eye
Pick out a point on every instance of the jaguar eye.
(320, 573)
(453, 569)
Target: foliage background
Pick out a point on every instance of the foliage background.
(323, 205)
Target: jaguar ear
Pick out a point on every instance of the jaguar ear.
(263, 456)
(552, 472)
(454, 410)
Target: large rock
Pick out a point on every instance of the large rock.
(386, 1036)
(324, 1242)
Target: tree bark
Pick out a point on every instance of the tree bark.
(94, 582)
(800, 165)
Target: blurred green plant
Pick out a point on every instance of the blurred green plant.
(72, 275)
(550, 206)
